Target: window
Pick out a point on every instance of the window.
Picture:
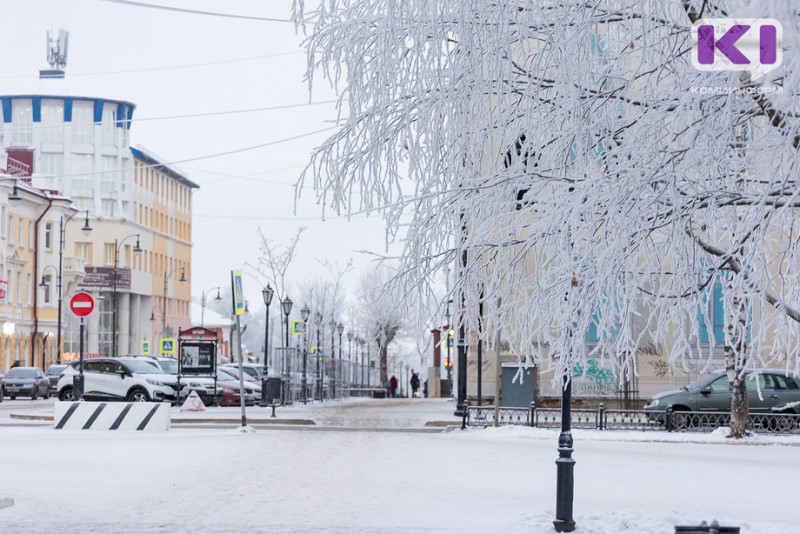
(764, 382)
(720, 385)
(48, 235)
(107, 179)
(82, 174)
(22, 121)
(109, 125)
(108, 207)
(83, 121)
(83, 250)
(108, 253)
(30, 235)
(21, 229)
(11, 229)
(782, 382)
(713, 314)
(3, 212)
(52, 125)
(17, 286)
(29, 289)
(9, 279)
(51, 163)
(47, 288)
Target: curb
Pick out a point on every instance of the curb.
(187, 420)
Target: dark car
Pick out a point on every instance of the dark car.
(779, 393)
(27, 382)
(54, 373)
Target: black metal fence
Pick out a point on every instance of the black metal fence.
(603, 419)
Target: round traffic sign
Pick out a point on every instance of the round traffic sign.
(81, 304)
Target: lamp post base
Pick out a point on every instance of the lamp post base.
(564, 526)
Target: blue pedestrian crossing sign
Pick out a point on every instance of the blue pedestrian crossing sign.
(145, 347)
(298, 327)
(168, 345)
(237, 292)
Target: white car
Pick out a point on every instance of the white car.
(125, 379)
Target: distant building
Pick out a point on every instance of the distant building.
(78, 146)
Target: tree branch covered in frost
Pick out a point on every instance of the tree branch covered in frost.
(595, 183)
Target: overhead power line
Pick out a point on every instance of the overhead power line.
(194, 11)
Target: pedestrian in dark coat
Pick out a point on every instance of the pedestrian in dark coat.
(393, 385)
(414, 384)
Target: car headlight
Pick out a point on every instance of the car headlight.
(155, 382)
(652, 404)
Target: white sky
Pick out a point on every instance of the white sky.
(240, 192)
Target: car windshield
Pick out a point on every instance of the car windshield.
(223, 374)
(144, 367)
(18, 372)
(169, 366)
(56, 369)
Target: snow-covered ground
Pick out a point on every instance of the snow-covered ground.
(332, 480)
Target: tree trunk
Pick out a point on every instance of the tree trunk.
(734, 365)
(383, 351)
(740, 410)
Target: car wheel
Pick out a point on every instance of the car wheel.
(680, 420)
(12, 397)
(783, 423)
(35, 393)
(138, 395)
(66, 395)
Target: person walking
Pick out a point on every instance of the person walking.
(393, 385)
(414, 384)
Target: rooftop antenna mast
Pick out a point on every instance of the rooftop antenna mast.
(56, 55)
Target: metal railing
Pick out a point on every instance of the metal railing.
(604, 419)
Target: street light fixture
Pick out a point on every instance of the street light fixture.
(136, 249)
(267, 293)
(340, 331)
(305, 313)
(203, 304)
(332, 360)
(286, 307)
(86, 229)
(318, 356)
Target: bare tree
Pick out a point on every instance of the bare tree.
(588, 174)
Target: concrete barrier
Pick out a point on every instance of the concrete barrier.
(137, 416)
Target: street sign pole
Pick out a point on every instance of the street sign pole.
(238, 308)
(79, 395)
(82, 305)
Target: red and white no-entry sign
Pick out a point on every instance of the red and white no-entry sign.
(81, 304)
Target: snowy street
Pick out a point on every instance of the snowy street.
(280, 479)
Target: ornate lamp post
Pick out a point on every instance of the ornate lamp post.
(350, 355)
(267, 293)
(332, 361)
(203, 304)
(62, 238)
(164, 303)
(340, 331)
(360, 341)
(136, 250)
(318, 356)
(286, 307)
(305, 312)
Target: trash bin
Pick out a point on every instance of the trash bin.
(379, 394)
(272, 389)
(705, 528)
(77, 386)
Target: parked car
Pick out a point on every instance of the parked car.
(27, 382)
(123, 378)
(228, 380)
(779, 394)
(255, 371)
(54, 373)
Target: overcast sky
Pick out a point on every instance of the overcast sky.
(170, 63)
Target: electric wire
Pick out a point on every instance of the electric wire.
(194, 11)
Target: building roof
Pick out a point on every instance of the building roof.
(151, 160)
(54, 88)
(211, 319)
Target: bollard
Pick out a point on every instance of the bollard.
(668, 418)
(705, 528)
(464, 416)
(601, 416)
(533, 414)
(77, 387)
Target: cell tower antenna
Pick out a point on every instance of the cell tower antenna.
(56, 54)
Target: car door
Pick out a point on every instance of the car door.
(787, 393)
(115, 382)
(42, 382)
(718, 399)
(760, 392)
(93, 380)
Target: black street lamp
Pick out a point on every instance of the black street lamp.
(267, 293)
(136, 250)
(350, 355)
(340, 331)
(318, 356)
(203, 304)
(164, 303)
(565, 464)
(305, 313)
(332, 361)
(286, 307)
(86, 231)
(360, 342)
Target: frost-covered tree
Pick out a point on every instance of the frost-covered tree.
(593, 179)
